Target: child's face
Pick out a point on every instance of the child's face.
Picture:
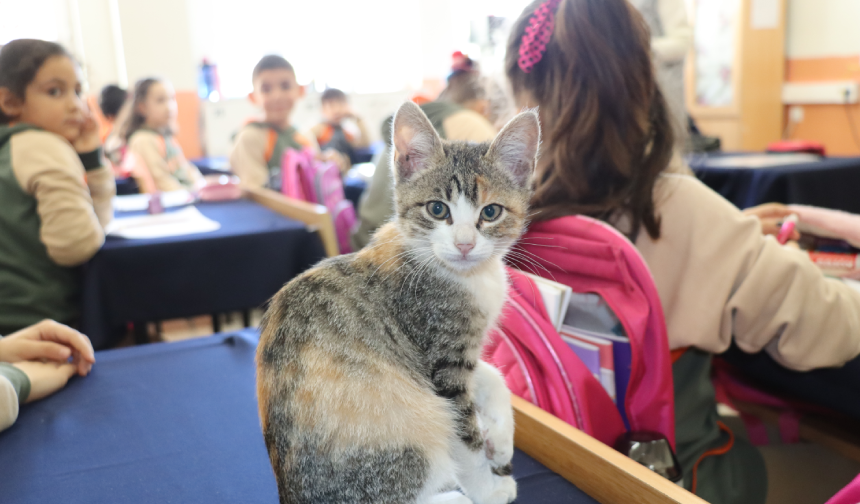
(159, 107)
(53, 100)
(335, 111)
(276, 92)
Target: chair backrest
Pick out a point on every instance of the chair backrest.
(590, 257)
(308, 179)
(848, 495)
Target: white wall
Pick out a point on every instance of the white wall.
(99, 49)
(823, 28)
(157, 41)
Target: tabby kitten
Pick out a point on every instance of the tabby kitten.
(369, 378)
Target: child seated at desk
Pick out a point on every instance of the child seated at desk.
(34, 363)
(111, 100)
(259, 145)
(157, 161)
(55, 189)
(341, 130)
(607, 146)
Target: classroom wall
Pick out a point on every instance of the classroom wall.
(823, 44)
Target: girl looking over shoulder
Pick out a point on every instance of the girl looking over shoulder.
(157, 161)
(55, 189)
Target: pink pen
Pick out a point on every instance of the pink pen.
(787, 229)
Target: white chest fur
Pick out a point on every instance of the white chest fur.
(489, 289)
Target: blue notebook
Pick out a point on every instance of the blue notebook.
(589, 354)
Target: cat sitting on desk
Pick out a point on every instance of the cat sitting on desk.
(369, 378)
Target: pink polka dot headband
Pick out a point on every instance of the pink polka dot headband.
(537, 35)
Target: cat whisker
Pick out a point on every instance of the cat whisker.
(424, 267)
(541, 245)
(405, 252)
(539, 258)
(414, 272)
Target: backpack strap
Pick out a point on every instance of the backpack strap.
(271, 141)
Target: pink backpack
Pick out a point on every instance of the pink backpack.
(306, 179)
(590, 257)
(848, 495)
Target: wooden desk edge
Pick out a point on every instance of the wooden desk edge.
(313, 215)
(598, 470)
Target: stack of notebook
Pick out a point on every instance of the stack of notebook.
(592, 331)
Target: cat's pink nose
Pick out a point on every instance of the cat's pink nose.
(465, 248)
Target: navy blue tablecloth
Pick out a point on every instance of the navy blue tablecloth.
(237, 267)
(832, 182)
(217, 165)
(126, 186)
(169, 422)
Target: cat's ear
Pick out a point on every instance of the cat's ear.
(515, 148)
(415, 142)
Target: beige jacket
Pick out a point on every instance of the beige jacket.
(153, 171)
(248, 159)
(718, 277)
(73, 205)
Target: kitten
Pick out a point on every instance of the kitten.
(369, 381)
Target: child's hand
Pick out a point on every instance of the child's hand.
(45, 377)
(49, 340)
(88, 140)
(771, 216)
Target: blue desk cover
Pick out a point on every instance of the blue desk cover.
(237, 267)
(169, 423)
(829, 183)
(212, 165)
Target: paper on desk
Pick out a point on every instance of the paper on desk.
(182, 222)
(761, 160)
(137, 202)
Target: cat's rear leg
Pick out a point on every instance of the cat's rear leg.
(480, 479)
(441, 481)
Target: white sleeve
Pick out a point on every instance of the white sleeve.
(8, 403)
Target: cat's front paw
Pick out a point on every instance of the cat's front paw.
(505, 491)
(498, 437)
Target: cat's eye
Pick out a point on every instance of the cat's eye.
(491, 212)
(437, 210)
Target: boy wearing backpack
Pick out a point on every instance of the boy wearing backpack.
(259, 146)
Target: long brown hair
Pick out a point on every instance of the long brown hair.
(607, 135)
(133, 120)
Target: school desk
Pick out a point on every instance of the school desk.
(832, 182)
(170, 422)
(126, 186)
(218, 165)
(238, 267)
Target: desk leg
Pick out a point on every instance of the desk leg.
(246, 318)
(216, 323)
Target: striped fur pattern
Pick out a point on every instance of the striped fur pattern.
(369, 381)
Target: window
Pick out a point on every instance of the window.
(38, 19)
(362, 47)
